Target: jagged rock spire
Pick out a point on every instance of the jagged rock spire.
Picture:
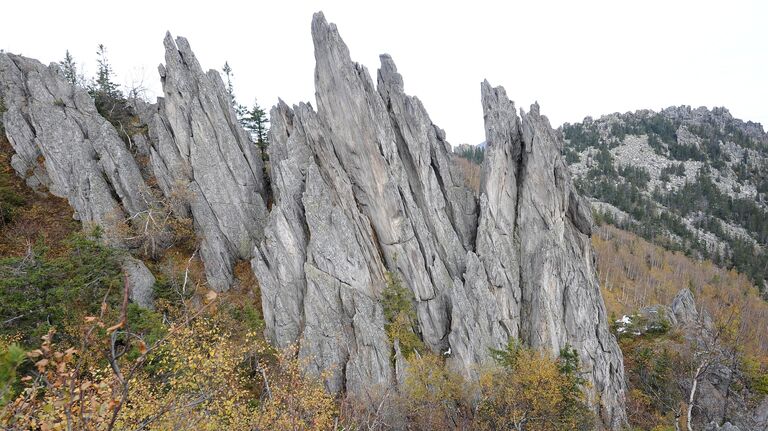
(202, 152)
(560, 302)
(64, 145)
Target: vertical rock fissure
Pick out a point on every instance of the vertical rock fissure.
(519, 178)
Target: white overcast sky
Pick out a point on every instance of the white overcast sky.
(576, 58)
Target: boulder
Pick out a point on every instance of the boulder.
(141, 282)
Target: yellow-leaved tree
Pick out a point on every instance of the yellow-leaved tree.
(529, 390)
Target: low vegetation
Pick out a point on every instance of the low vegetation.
(399, 310)
(661, 361)
(470, 172)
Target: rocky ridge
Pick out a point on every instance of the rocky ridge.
(64, 146)
(363, 190)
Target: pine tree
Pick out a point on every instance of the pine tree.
(256, 123)
(104, 75)
(228, 75)
(69, 68)
(109, 99)
(240, 110)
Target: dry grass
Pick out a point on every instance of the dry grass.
(42, 217)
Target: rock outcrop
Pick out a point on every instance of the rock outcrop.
(365, 186)
(141, 282)
(723, 399)
(560, 301)
(683, 308)
(364, 191)
(202, 154)
(63, 145)
(713, 426)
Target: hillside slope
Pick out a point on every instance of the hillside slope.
(641, 283)
(690, 179)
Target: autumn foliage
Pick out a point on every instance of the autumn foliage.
(200, 375)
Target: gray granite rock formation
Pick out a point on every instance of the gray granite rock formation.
(64, 145)
(365, 186)
(200, 151)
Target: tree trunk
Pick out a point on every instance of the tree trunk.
(694, 384)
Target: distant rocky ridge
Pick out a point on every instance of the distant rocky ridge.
(362, 187)
(695, 179)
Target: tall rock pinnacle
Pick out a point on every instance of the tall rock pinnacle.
(201, 151)
(364, 191)
(365, 186)
(548, 225)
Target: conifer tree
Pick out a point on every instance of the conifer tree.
(241, 111)
(256, 122)
(104, 75)
(69, 68)
(228, 75)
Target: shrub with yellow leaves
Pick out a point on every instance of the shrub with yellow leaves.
(529, 390)
(435, 397)
(199, 375)
(59, 395)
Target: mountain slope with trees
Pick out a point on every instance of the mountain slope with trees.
(694, 180)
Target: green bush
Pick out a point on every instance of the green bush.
(247, 314)
(399, 310)
(10, 201)
(10, 358)
(38, 291)
(755, 375)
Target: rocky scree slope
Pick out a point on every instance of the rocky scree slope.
(692, 179)
(363, 189)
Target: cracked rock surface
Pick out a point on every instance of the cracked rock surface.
(63, 145)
